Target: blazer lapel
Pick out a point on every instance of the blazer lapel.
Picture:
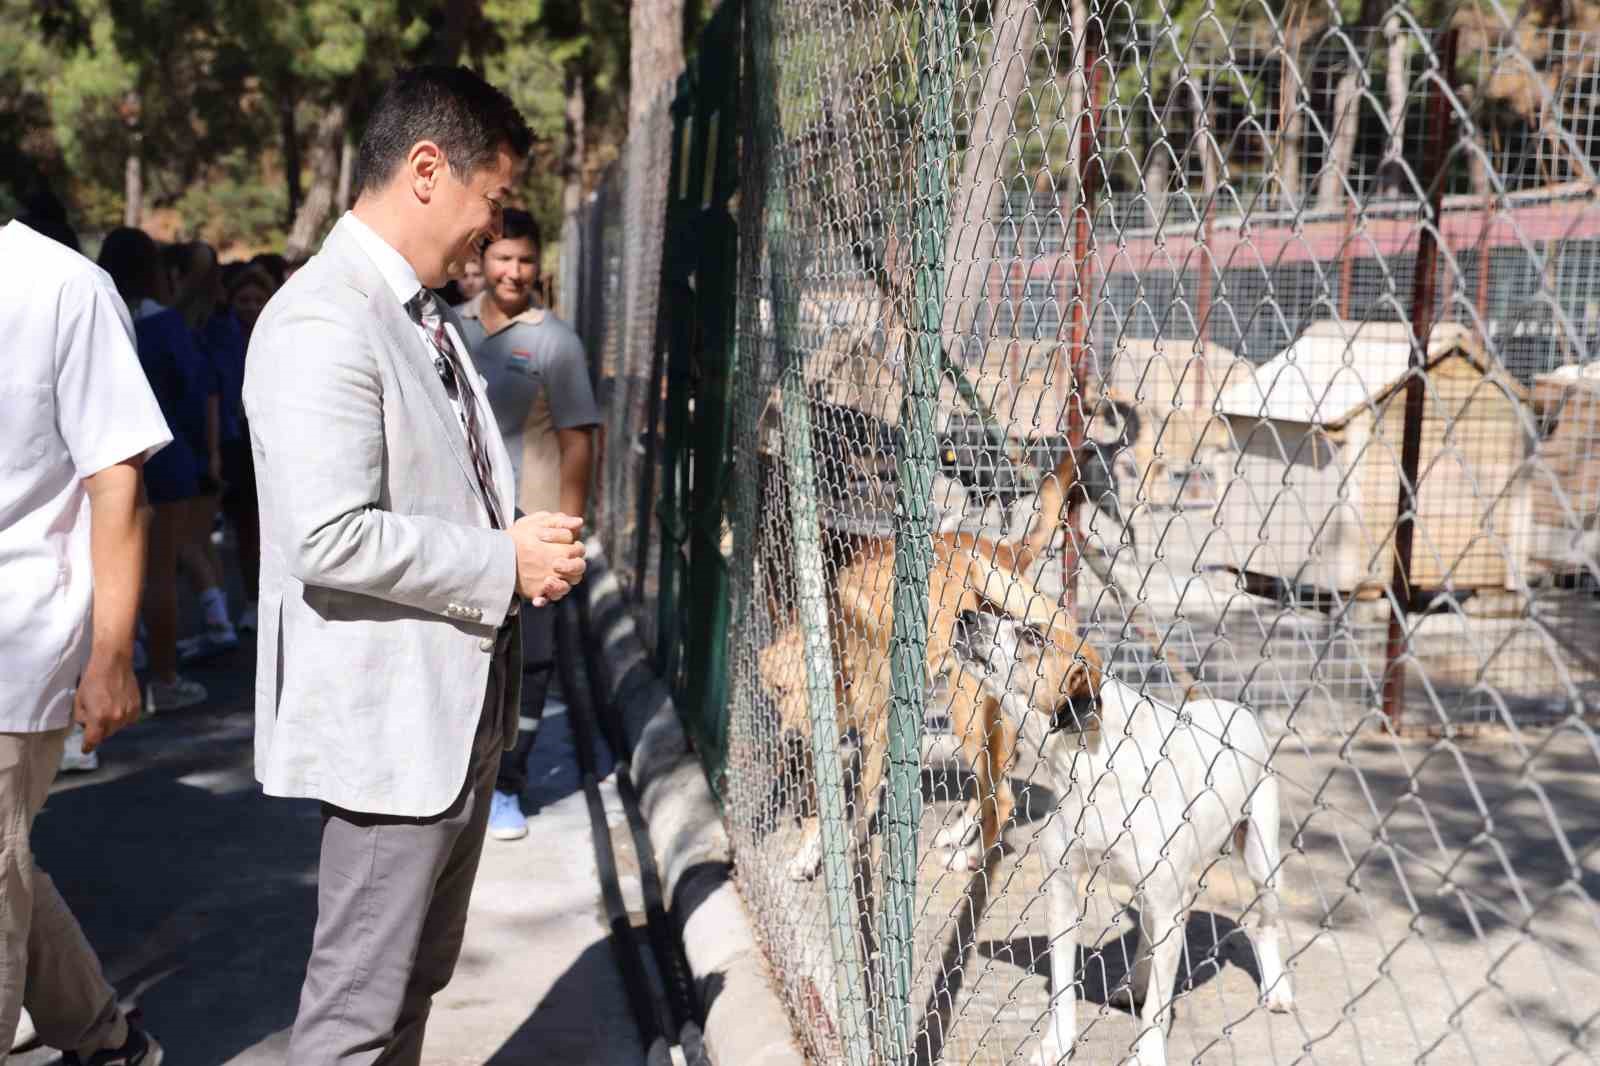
(413, 355)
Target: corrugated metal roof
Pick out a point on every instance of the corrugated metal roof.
(1335, 370)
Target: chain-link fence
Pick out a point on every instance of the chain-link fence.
(1161, 526)
(610, 279)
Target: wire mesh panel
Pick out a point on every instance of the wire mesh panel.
(1165, 536)
(620, 235)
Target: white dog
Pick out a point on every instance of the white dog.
(1156, 793)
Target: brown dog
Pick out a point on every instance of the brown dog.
(970, 572)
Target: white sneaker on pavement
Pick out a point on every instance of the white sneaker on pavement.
(26, 1032)
(218, 638)
(161, 696)
(74, 760)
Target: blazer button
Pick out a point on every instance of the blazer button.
(486, 644)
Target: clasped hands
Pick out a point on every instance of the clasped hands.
(549, 556)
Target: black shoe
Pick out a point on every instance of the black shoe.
(138, 1050)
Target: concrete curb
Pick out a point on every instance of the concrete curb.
(746, 1024)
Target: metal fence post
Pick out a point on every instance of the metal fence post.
(1423, 287)
(712, 182)
(800, 471)
(1083, 244)
(916, 461)
(849, 969)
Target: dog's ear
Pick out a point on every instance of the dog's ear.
(1086, 674)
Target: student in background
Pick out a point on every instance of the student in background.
(196, 278)
(538, 386)
(247, 293)
(175, 371)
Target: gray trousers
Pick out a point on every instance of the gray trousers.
(392, 898)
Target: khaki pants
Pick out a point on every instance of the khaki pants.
(45, 962)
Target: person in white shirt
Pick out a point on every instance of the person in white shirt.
(77, 421)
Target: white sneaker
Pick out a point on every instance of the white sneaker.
(160, 696)
(218, 638)
(74, 760)
(26, 1032)
(247, 618)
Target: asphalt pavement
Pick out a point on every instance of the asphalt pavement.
(200, 895)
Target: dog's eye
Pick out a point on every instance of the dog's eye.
(1033, 635)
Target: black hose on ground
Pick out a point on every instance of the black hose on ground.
(666, 945)
(647, 1012)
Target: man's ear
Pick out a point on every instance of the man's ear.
(425, 167)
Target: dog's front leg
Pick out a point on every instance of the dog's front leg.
(1061, 887)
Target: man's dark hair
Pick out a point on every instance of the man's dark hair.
(273, 264)
(44, 213)
(469, 119)
(516, 225)
(133, 259)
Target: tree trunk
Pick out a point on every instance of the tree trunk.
(1291, 116)
(655, 53)
(1157, 157)
(347, 171)
(1205, 140)
(460, 17)
(1391, 172)
(133, 186)
(1077, 95)
(1341, 153)
(969, 242)
(290, 134)
(312, 218)
(572, 162)
(133, 166)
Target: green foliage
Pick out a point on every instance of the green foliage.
(234, 207)
(200, 93)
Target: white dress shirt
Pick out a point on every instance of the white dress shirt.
(73, 401)
(403, 280)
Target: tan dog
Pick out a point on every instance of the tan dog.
(969, 573)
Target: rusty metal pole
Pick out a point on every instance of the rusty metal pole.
(1347, 261)
(1083, 254)
(1424, 280)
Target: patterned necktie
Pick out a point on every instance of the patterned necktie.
(424, 311)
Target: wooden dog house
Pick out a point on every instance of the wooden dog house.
(1316, 484)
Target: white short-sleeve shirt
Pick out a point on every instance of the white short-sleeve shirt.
(73, 401)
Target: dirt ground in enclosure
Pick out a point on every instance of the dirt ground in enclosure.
(1438, 890)
(1438, 901)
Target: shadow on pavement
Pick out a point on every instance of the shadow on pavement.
(198, 892)
(569, 1025)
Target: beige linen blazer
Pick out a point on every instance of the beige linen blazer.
(381, 583)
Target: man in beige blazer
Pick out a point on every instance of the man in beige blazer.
(392, 571)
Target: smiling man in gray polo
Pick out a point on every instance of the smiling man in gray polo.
(538, 385)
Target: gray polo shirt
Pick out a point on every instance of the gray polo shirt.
(538, 383)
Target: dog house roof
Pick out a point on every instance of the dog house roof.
(1337, 370)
